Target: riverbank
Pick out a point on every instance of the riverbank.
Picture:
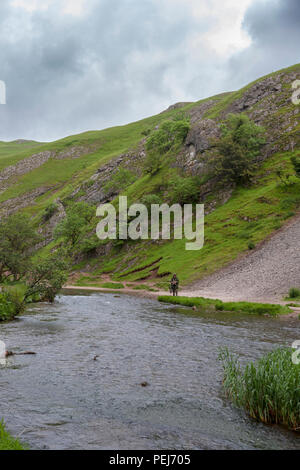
(7, 442)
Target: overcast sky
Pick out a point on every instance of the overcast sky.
(76, 65)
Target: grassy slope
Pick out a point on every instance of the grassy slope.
(266, 205)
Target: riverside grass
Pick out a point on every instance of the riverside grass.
(7, 442)
(269, 390)
(204, 305)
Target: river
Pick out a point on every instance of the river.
(64, 399)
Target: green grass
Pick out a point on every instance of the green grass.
(294, 294)
(268, 390)
(112, 285)
(7, 442)
(204, 305)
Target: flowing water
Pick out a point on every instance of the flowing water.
(64, 399)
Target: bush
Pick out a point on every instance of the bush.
(49, 211)
(171, 134)
(268, 390)
(150, 199)
(185, 190)
(251, 246)
(296, 164)
(294, 293)
(238, 148)
(120, 180)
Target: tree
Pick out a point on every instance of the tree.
(76, 222)
(239, 146)
(167, 137)
(46, 277)
(17, 240)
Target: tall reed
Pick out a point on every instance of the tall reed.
(269, 389)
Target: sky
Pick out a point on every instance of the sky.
(76, 65)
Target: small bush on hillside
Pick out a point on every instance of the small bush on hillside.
(120, 180)
(153, 163)
(296, 164)
(294, 293)
(184, 190)
(49, 212)
(251, 246)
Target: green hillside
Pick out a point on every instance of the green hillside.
(98, 166)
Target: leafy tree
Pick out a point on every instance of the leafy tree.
(76, 222)
(46, 277)
(168, 136)
(240, 144)
(17, 240)
(296, 164)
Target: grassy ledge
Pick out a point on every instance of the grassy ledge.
(211, 305)
(7, 442)
(268, 389)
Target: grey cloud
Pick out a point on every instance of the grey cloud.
(121, 61)
(274, 27)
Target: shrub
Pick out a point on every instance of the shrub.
(185, 190)
(150, 199)
(49, 211)
(268, 390)
(239, 146)
(171, 134)
(294, 293)
(296, 164)
(120, 180)
(153, 163)
(251, 246)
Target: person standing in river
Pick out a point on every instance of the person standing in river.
(174, 285)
